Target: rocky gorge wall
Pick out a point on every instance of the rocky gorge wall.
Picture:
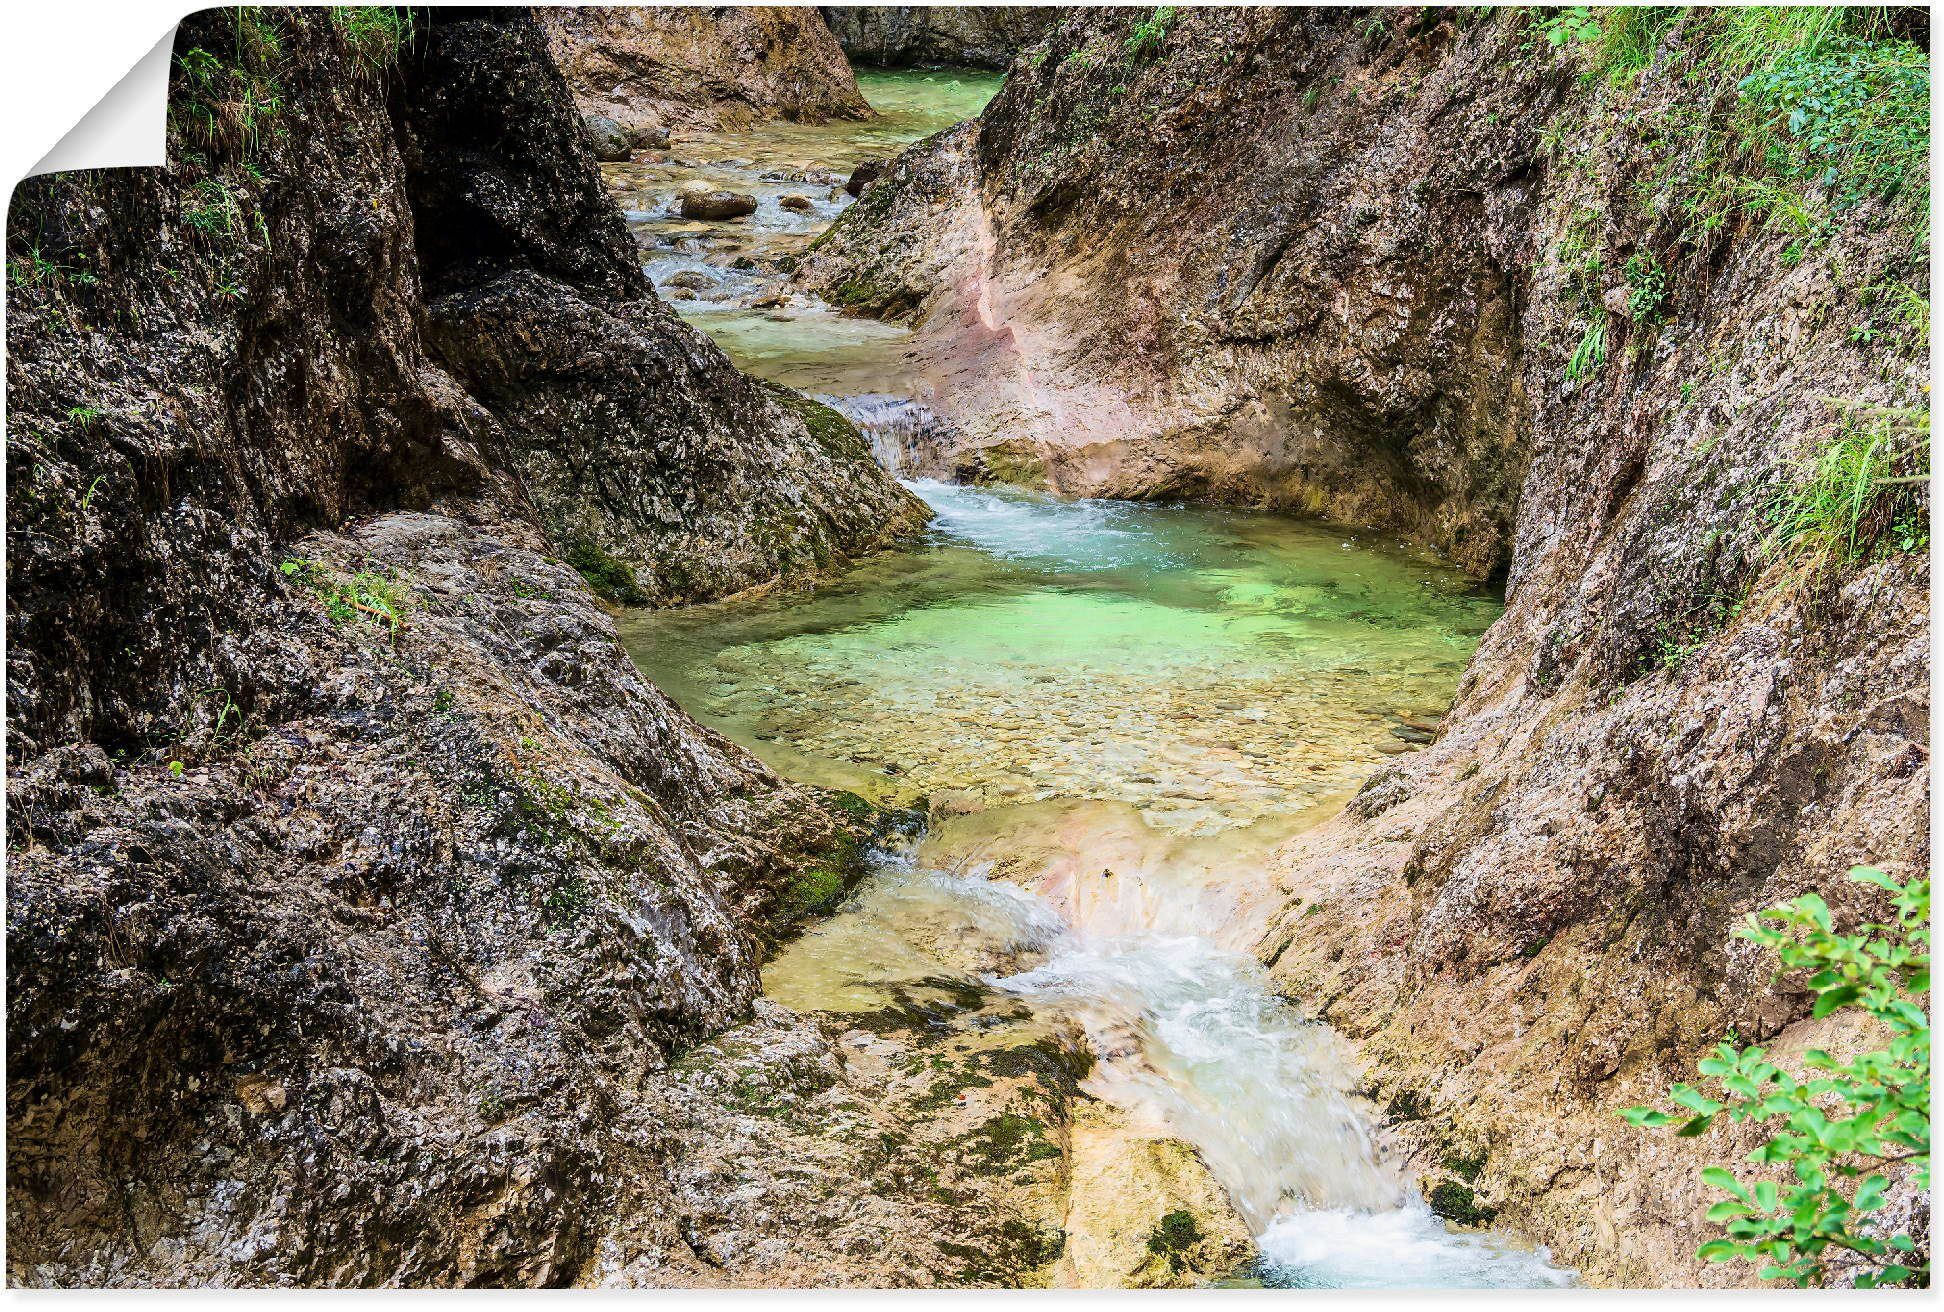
(360, 889)
(974, 36)
(656, 68)
(1352, 263)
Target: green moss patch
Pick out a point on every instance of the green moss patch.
(612, 578)
(1006, 1142)
(1174, 1236)
(1457, 1202)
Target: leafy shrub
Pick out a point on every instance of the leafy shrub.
(1848, 115)
(1570, 27)
(1646, 287)
(1836, 1133)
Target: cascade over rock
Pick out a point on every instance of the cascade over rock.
(1337, 262)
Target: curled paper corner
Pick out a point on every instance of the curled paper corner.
(127, 127)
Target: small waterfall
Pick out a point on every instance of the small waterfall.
(901, 432)
(1187, 1034)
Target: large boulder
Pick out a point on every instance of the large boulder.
(717, 205)
(976, 36)
(698, 68)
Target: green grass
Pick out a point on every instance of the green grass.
(229, 99)
(1863, 496)
(1591, 352)
(1848, 116)
(1826, 107)
(376, 34)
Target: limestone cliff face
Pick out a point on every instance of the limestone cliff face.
(1341, 262)
(359, 886)
(709, 67)
(975, 36)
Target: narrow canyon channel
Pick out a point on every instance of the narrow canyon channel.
(1105, 713)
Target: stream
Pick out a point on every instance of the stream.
(1112, 712)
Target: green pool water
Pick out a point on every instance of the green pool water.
(1210, 667)
(1112, 712)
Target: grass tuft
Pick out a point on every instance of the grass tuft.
(1863, 496)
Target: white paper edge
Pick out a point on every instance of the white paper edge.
(127, 128)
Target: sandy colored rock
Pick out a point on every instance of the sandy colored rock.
(654, 68)
(1143, 1212)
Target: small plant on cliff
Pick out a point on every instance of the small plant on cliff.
(1570, 27)
(1850, 116)
(1151, 33)
(377, 34)
(1591, 352)
(1863, 495)
(1842, 1129)
(364, 595)
(1646, 288)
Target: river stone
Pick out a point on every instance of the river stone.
(612, 143)
(794, 201)
(864, 175)
(693, 279)
(716, 205)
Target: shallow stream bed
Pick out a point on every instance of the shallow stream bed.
(1111, 713)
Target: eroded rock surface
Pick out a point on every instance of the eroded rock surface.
(632, 433)
(974, 36)
(719, 68)
(360, 888)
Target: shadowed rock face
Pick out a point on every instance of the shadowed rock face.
(974, 36)
(358, 883)
(633, 434)
(1339, 262)
(723, 67)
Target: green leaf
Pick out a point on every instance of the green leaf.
(1834, 998)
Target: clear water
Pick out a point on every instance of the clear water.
(1131, 703)
(798, 340)
(1114, 711)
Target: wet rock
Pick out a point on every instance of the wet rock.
(794, 201)
(948, 802)
(612, 143)
(864, 175)
(972, 36)
(692, 279)
(438, 878)
(716, 205)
